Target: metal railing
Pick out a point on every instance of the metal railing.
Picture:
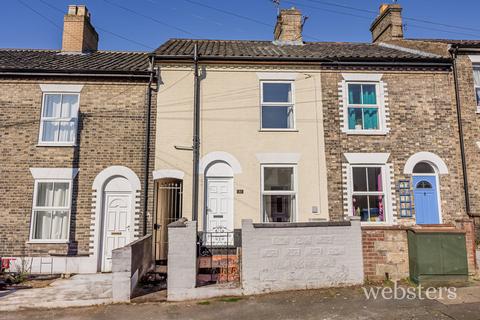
(218, 257)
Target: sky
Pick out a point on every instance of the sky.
(143, 25)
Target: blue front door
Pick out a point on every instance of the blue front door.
(426, 201)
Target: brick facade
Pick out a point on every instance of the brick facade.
(385, 253)
(422, 117)
(111, 131)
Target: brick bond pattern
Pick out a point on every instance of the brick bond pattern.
(422, 117)
(111, 131)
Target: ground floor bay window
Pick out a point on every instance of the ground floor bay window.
(278, 193)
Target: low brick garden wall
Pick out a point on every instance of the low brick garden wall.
(385, 249)
(385, 253)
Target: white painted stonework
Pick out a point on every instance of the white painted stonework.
(429, 157)
(168, 173)
(73, 88)
(54, 173)
(220, 156)
(305, 257)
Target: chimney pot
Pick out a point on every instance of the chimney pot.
(78, 33)
(288, 29)
(388, 24)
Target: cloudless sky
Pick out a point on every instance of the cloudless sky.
(21, 27)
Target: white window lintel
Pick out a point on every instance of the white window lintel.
(362, 76)
(74, 88)
(54, 173)
(367, 158)
(474, 58)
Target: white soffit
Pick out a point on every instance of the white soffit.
(362, 76)
(54, 173)
(474, 58)
(278, 157)
(367, 158)
(74, 88)
(277, 75)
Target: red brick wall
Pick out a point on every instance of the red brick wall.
(385, 250)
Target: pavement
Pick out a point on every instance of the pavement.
(333, 303)
(77, 291)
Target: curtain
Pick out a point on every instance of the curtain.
(52, 105)
(59, 225)
(66, 131)
(354, 118)
(45, 194)
(43, 221)
(370, 118)
(476, 77)
(60, 194)
(369, 94)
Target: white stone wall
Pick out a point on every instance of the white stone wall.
(182, 260)
(300, 256)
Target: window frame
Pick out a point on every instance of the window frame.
(42, 120)
(385, 192)
(68, 208)
(278, 104)
(475, 87)
(380, 105)
(293, 192)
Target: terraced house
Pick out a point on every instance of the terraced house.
(74, 156)
(328, 152)
(295, 131)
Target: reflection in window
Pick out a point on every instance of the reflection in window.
(278, 193)
(363, 109)
(368, 195)
(277, 105)
(424, 185)
(423, 167)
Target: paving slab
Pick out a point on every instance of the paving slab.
(76, 291)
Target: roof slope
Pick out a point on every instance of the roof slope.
(49, 61)
(253, 50)
(455, 42)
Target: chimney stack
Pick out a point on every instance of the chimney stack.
(388, 25)
(78, 33)
(288, 29)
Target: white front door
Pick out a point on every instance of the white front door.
(117, 217)
(219, 211)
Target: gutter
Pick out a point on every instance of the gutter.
(75, 74)
(152, 75)
(454, 53)
(441, 62)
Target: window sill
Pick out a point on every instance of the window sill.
(478, 110)
(56, 145)
(278, 130)
(378, 224)
(366, 133)
(48, 242)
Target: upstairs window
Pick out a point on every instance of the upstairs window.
(277, 105)
(51, 211)
(363, 106)
(59, 119)
(476, 78)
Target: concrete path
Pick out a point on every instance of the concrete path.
(77, 291)
(345, 303)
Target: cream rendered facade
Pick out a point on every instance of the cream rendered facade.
(230, 132)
